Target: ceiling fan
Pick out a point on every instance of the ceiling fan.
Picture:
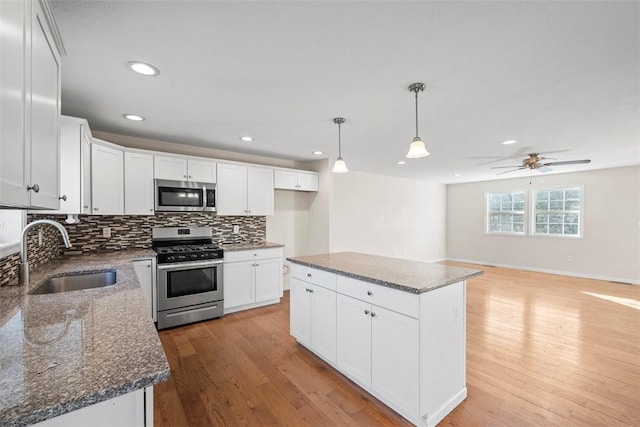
(535, 161)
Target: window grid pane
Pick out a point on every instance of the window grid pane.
(505, 212)
(557, 212)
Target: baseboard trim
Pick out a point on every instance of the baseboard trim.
(434, 419)
(620, 280)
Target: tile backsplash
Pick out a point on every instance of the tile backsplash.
(127, 231)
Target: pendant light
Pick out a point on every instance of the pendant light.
(417, 148)
(340, 166)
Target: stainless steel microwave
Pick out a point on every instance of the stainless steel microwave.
(184, 196)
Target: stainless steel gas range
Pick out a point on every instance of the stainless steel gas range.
(189, 275)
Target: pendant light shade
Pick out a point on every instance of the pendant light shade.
(417, 148)
(339, 166)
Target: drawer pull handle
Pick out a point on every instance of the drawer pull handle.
(366, 312)
(369, 293)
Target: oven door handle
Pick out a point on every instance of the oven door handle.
(188, 265)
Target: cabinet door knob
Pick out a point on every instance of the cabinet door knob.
(86, 206)
(369, 293)
(366, 312)
(189, 176)
(95, 209)
(63, 198)
(184, 176)
(35, 188)
(373, 314)
(311, 290)
(308, 274)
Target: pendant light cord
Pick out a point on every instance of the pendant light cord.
(339, 143)
(416, 113)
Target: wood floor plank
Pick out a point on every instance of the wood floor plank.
(542, 350)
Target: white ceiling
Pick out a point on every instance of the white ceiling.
(556, 76)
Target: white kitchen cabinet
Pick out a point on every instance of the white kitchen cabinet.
(127, 410)
(313, 311)
(288, 179)
(146, 272)
(406, 349)
(75, 167)
(30, 105)
(252, 278)
(183, 169)
(244, 190)
(138, 183)
(107, 180)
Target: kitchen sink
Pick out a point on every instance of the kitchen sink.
(76, 281)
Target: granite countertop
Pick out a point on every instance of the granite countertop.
(249, 246)
(409, 276)
(65, 351)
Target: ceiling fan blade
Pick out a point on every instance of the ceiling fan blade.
(503, 167)
(544, 169)
(512, 170)
(568, 162)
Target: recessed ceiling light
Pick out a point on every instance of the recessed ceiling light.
(144, 69)
(246, 138)
(133, 117)
(401, 162)
(509, 142)
(457, 174)
(318, 153)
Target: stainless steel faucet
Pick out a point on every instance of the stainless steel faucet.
(23, 272)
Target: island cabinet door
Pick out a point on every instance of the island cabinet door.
(300, 313)
(394, 359)
(354, 339)
(323, 323)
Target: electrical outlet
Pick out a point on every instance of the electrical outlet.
(1, 225)
(236, 229)
(106, 232)
(39, 238)
(455, 312)
(569, 258)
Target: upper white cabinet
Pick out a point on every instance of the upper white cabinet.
(286, 179)
(244, 190)
(138, 183)
(182, 169)
(75, 166)
(107, 180)
(30, 105)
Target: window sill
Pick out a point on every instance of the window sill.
(494, 233)
(7, 249)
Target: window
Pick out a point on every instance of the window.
(557, 212)
(505, 212)
(11, 223)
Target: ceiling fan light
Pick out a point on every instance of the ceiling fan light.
(340, 166)
(417, 149)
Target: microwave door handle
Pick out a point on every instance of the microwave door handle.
(204, 197)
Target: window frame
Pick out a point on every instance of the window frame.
(533, 211)
(12, 247)
(487, 212)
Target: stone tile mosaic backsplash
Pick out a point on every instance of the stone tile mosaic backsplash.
(127, 231)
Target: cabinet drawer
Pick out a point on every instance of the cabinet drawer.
(382, 296)
(315, 276)
(236, 256)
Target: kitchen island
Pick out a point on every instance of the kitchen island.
(66, 351)
(394, 327)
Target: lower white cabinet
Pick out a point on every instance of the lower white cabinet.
(378, 349)
(406, 349)
(313, 318)
(252, 278)
(146, 272)
(133, 409)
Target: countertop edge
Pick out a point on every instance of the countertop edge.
(237, 247)
(392, 285)
(90, 399)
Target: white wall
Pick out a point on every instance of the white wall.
(388, 216)
(609, 249)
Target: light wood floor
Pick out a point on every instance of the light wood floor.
(542, 350)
